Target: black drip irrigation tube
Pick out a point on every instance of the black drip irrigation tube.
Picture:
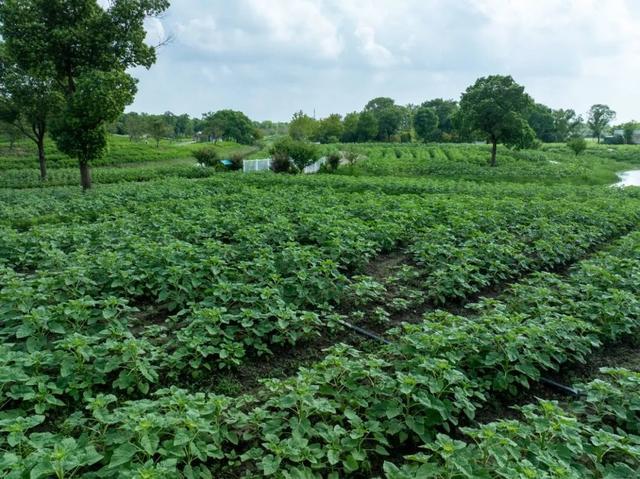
(568, 390)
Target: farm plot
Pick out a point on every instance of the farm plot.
(120, 309)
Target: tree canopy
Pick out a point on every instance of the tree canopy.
(496, 106)
(27, 102)
(302, 126)
(85, 50)
(426, 123)
(599, 118)
(231, 125)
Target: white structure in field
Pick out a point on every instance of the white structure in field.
(315, 167)
(251, 166)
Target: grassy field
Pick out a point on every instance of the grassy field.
(180, 322)
(120, 152)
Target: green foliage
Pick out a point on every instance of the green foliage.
(600, 116)
(302, 127)
(586, 438)
(446, 111)
(629, 130)
(207, 156)
(368, 128)
(426, 123)
(388, 118)
(543, 122)
(292, 156)
(26, 104)
(79, 129)
(333, 161)
(577, 144)
(329, 130)
(86, 59)
(158, 129)
(566, 124)
(120, 323)
(496, 106)
(350, 125)
(231, 126)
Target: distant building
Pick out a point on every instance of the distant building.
(635, 139)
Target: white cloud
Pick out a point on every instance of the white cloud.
(273, 57)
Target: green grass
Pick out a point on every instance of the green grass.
(552, 164)
(120, 152)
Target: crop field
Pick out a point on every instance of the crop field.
(178, 322)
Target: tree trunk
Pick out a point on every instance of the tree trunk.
(85, 175)
(494, 151)
(598, 138)
(42, 159)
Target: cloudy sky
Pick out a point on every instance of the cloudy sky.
(270, 58)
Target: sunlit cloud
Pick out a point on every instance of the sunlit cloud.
(270, 58)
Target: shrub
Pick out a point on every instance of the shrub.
(352, 157)
(236, 162)
(333, 161)
(206, 156)
(577, 144)
(290, 155)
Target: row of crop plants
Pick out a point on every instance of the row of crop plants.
(343, 416)
(24, 208)
(595, 436)
(253, 272)
(470, 162)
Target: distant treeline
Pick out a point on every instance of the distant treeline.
(223, 125)
(439, 120)
(381, 119)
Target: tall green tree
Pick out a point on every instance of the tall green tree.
(425, 123)
(87, 49)
(600, 116)
(27, 103)
(388, 116)
(496, 107)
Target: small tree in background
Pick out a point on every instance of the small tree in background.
(134, 124)
(288, 155)
(599, 118)
(27, 102)
(206, 156)
(577, 144)
(158, 129)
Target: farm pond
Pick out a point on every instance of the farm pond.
(629, 178)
